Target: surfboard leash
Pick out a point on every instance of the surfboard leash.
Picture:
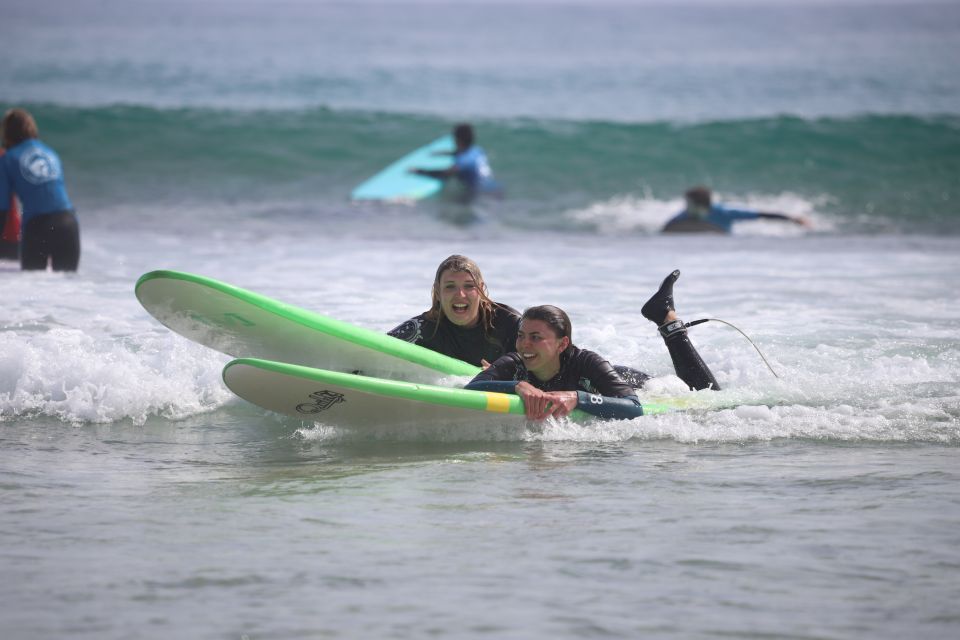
(762, 357)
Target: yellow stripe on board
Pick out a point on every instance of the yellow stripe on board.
(498, 402)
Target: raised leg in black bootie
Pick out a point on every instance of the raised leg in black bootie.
(688, 364)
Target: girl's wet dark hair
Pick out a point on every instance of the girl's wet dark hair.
(699, 196)
(556, 317)
(463, 133)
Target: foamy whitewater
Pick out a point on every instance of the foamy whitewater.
(140, 499)
(865, 349)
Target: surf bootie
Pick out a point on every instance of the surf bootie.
(657, 307)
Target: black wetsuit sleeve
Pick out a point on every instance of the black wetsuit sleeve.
(3, 220)
(503, 368)
(409, 331)
(612, 397)
(609, 408)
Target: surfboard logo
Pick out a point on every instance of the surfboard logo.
(322, 400)
(39, 166)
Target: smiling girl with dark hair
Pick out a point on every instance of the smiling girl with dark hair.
(554, 377)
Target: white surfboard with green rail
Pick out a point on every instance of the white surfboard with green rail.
(355, 401)
(300, 363)
(241, 323)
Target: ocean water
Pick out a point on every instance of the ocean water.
(140, 499)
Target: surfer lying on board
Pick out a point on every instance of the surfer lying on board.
(470, 165)
(554, 377)
(701, 215)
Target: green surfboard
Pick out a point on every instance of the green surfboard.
(350, 400)
(242, 323)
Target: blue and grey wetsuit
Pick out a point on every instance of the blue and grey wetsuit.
(719, 218)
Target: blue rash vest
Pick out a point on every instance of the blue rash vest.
(474, 170)
(719, 216)
(32, 171)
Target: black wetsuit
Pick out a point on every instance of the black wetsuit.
(601, 391)
(687, 362)
(468, 344)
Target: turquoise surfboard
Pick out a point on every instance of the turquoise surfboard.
(242, 323)
(349, 400)
(396, 183)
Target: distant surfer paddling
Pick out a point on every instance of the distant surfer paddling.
(702, 216)
(554, 377)
(470, 167)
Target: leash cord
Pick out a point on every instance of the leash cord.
(701, 321)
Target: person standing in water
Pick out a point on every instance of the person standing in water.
(701, 215)
(470, 165)
(32, 171)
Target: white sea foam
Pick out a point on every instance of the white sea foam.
(858, 330)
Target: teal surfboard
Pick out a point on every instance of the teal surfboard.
(349, 400)
(396, 183)
(242, 323)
